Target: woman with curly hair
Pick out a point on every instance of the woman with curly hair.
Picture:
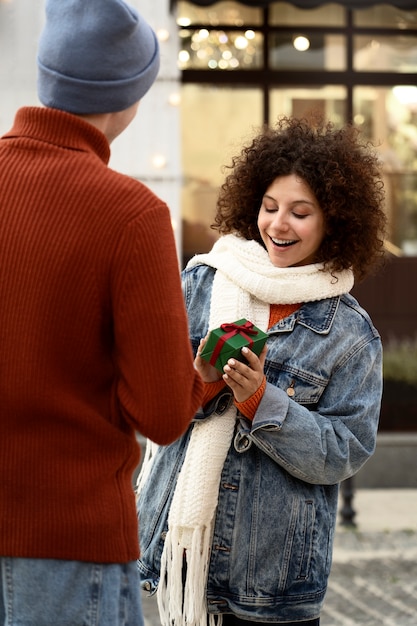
(238, 516)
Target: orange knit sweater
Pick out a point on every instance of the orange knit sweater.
(92, 347)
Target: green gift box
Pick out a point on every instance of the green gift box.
(227, 341)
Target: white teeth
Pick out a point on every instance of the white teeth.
(282, 242)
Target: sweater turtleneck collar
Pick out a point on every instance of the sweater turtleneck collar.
(60, 128)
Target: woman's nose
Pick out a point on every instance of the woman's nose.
(280, 221)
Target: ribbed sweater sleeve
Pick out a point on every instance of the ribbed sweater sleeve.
(153, 350)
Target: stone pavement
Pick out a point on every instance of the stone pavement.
(373, 581)
(374, 575)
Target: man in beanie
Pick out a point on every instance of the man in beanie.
(93, 330)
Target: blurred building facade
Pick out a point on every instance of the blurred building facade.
(227, 68)
(245, 63)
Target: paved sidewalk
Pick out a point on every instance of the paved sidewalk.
(374, 575)
(380, 510)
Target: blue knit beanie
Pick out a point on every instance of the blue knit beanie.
(95, 56)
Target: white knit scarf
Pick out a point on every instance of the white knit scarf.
(244, 286)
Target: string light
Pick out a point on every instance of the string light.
(184, 21)
(406, 94)
(174, 99)
(301, 43)
(162, 34)
(216, 49)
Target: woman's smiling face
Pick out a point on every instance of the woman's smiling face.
(291, 222)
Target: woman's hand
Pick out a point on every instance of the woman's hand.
(244, 379)
(207, 372)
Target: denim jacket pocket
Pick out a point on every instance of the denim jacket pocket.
(302, 386)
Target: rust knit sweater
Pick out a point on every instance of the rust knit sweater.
(93, 341)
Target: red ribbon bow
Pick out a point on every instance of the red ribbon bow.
(231, 330)
(239, 328)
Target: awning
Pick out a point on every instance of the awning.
(311, 4)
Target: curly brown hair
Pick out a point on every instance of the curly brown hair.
(343, 173)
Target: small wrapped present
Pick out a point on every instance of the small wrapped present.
(227, 341)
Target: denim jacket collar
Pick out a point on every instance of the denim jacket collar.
(317, 316)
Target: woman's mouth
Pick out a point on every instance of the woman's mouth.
(283, 243)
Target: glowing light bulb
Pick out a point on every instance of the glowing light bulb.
(241, 42)
(183, 21)
(406, 94)
(184, 56)
(174, 99)
(159, 161)
(301, 43)
(162, 34)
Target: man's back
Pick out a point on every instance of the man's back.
(80, 327)
(93, 328)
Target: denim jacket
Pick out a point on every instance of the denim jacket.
(315, 426)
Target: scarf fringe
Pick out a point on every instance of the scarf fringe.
(182, 602)
(181, 592)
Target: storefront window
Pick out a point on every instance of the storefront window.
(284, 13)
(226, 13)
(388, 117)
(328, 101)
(301, 62)
(304, 50)
(215, 122)
(385, 16)
(377, 53)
